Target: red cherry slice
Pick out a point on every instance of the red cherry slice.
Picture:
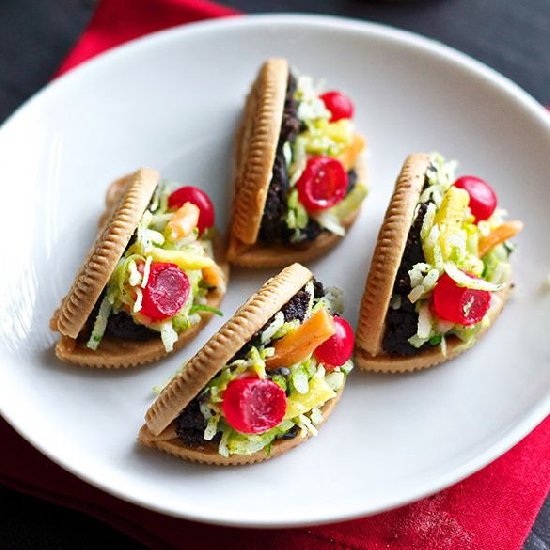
(166, 291)
(322, 184)
(339, 105)
(483, 200)
(198, 197)
(253, 405)
(464, 306)
(338, 348)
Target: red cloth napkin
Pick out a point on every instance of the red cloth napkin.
(118, 21)
(493, 509)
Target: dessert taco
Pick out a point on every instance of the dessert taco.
(299, 177)
(150, 281)
(440, 272)
(262, 384)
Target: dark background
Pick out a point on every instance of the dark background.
(512, 36)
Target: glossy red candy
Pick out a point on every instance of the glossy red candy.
(166, 291)
(322, 184)
(338, 348)
(198, 197)
(483, 200)
(464, 306)
(339, 105)
(253, 405)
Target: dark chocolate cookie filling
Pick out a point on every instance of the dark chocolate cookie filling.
(119, 325)
(190, 424)
(296, 308)
(402, 323)
(352, 181)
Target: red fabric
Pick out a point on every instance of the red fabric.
(118, 21)
(494, 508)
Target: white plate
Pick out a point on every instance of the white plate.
(171, 101)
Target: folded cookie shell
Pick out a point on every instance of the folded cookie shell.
(193, 404)
(285, 127)
(127, 338)
(428, 234)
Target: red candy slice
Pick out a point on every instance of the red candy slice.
(322, 184)
(338, 348)
(166, 291)
(464, 306)
(253, 405)
(339, 105)
(483, 200)
(198, 197)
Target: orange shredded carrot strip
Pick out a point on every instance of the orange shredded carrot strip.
(184, 220)
(498, 235)
(213, 276)
(297, 345)
(349, 157)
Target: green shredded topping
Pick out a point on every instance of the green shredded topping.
(319, 137)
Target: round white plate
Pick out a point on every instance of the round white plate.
(171, 101)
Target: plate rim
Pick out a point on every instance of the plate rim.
(512, 436)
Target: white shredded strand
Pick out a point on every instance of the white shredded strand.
(331, 223)
(306, 426)
(320, 372)
(416, 293)
(310, 289)
(139, 298)
(155, 237)
(465, 280)
(100, 324)
(277, 323)
(168, 335)
(316, 416)
(443, 346)
(134, 277)
(146, 271)
(335, 380)
(424, 322)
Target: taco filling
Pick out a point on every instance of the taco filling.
(456, 257)
(161, 284)
(314, 185)
(276, 385)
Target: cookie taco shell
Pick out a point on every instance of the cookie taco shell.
(127, 199)
(390, 246)
(257, 139)
(159, 430)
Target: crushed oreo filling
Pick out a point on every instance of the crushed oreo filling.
(119, 325)
(190, 423)
(402, 323)
(272, 227)
(352, 181)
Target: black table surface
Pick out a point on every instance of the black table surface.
(512, 36)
